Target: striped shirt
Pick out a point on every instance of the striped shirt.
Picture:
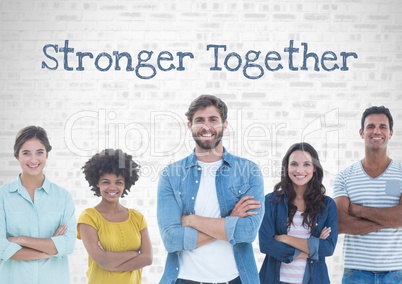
(293, 272)
(380, 250)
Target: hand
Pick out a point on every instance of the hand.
(60, 230)
(325, 233)
(244, 205)
(355, 209)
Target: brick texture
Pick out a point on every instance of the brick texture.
(86, 111)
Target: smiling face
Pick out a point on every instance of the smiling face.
(207, 128)
(32, 157)
(111, 187)
(300, 169)
(376, 132)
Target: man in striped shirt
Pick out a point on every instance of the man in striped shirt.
(368, 198)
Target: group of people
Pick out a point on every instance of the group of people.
(210, 208)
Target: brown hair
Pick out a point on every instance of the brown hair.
(28, 133)
(204, 101)
(315, 193)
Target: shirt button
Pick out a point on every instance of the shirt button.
(196, 181)
(192, 198)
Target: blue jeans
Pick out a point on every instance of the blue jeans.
(354, 276)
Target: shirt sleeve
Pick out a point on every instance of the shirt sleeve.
(339, 186)
(313, 245)
(244, 230)
(65, 244)
(326, 247)
(143, 223)
(267, 232)
(139, 219)
(7, 249)
(87, 217)
(169, 212)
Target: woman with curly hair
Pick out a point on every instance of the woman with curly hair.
(300, 224)
(115, 237)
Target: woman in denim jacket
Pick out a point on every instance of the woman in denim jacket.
(300, 225)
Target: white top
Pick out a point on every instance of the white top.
(293, 272)
(380, 250)
(213, 262)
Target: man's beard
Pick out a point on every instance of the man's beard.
(208, 145)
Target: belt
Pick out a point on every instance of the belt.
(233, 281)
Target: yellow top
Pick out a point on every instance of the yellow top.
(114, 236)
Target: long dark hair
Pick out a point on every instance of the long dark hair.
(315, 192)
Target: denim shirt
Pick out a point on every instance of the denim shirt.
(177, 192)
(275, 223)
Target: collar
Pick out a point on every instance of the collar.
(16, 185)
(282, 196)
(192, 161)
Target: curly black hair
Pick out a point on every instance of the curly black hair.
(111, 161)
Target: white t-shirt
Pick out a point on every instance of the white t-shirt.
(213, 262)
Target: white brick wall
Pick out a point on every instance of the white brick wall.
(266, 115)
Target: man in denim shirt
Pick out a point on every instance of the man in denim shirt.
(210, 206)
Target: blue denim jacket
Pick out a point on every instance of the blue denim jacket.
(275, 223)
(177, 191)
